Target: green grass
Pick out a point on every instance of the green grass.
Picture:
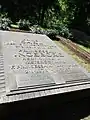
(79, 60)
(84, 48)
(14, 26)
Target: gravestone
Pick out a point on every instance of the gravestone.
(35, 61)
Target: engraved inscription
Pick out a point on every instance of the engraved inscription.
(34, 79)
(35, 60)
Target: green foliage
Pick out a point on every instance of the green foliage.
(39, 30)
(52, 33)
(88, 21)
(60, 26)
(5, 22)
(56, 15)
(51, 17)
(59, 30)
(24, 24)
(64, 31)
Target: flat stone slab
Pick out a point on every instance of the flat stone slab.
(34, 61)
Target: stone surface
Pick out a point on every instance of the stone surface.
(32, 60)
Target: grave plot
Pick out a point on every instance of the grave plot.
(33, 62)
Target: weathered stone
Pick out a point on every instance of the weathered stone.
(32, 60)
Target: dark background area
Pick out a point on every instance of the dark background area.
(60, 15)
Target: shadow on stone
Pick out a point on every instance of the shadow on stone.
(71, 106)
